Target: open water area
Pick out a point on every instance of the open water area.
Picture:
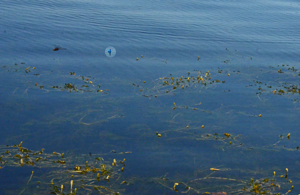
(201, 97)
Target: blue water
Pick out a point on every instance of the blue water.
(248, 40)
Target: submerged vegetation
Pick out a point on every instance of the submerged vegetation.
(69, 175)
(217, 115)
(76, 83)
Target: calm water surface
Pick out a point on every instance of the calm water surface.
(242, 44)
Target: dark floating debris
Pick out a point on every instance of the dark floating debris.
(59, 48)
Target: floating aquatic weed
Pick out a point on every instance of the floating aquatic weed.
(82, 119)
(189, 133)
(27, 70)
(227, 135)
(214, 169)
(210, 184)
(269, 186)
(203, 136)
(226, 61)
(85, 177)
(78, 84)
(174, 187)
(284, 84)
(174, 106)
(168, 85)
(17, 155)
